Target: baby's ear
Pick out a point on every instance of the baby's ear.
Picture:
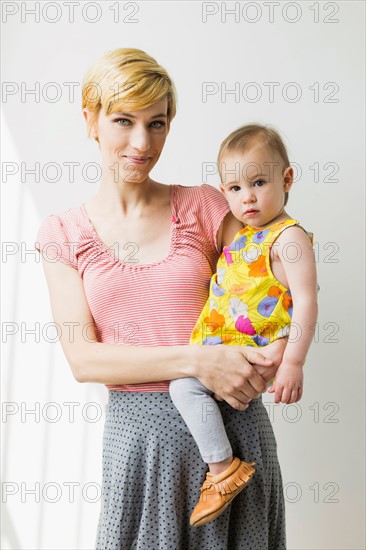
(288, 178)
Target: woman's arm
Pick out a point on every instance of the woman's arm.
(223, 369)
(228, 229)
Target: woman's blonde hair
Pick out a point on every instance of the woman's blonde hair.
(245, 137)
(126, 77)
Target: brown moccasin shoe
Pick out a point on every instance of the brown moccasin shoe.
(218, 491)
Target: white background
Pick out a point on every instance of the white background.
(320, 439)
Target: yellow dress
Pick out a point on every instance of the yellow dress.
(247, 305)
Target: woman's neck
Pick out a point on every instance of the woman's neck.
(125, 198)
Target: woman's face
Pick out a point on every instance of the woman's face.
(131, 141)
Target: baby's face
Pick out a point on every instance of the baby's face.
(254, 184)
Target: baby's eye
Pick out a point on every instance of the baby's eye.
(123, 121)
(157, 124)
(235, 188)
(259, 183)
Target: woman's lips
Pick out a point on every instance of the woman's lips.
(137, 160)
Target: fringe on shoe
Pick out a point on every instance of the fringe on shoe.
(244, 473)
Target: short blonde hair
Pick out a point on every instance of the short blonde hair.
(126, 76)
(245, 137)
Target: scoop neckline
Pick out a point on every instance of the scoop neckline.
(173, 224)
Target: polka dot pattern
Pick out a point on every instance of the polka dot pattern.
(152, 472)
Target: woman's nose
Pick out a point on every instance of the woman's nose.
(140, 139)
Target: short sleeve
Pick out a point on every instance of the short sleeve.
(54, 242)
(214, 209)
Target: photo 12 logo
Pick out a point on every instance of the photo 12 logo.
(316, 172)
(71, 12)
(269, 12)
(253, 92)
(52, 491)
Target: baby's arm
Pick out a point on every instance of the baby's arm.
(301, 277)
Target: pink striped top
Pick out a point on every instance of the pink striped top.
(135, 304)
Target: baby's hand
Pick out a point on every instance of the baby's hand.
(288, 384)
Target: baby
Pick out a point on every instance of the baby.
(264, 288)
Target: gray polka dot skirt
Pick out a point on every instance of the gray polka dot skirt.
(152, 472)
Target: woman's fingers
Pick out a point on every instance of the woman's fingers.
(217, 397)
(275, 351)
(236, 404)
(248, 385)
(239, 405)
(256, 380)
(231, 375)
(254, 384)
(256, 357)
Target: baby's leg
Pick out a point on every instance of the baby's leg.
(203, 418)
(228, 476)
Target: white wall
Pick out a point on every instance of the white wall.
(320, 439)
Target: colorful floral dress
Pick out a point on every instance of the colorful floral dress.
(247, 305)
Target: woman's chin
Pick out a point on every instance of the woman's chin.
(130, 174)
(134, 177)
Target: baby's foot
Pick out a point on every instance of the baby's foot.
(217, 468)
(218, 491)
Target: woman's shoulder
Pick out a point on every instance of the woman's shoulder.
(74, 215)
(67, 226)
(71, 220)
(202, 198)
(201, 208)
(203, 190)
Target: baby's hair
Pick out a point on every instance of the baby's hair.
(245, 137)
(126, 78)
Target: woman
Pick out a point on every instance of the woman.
(135, 263)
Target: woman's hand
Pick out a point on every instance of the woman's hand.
(227, 371)
(273, 351)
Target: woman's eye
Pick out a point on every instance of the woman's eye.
(123, 121)
(259, 183)
(157, 124)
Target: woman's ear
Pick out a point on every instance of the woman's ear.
(89, 116)
(288, 179)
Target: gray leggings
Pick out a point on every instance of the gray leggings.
(202, 415)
